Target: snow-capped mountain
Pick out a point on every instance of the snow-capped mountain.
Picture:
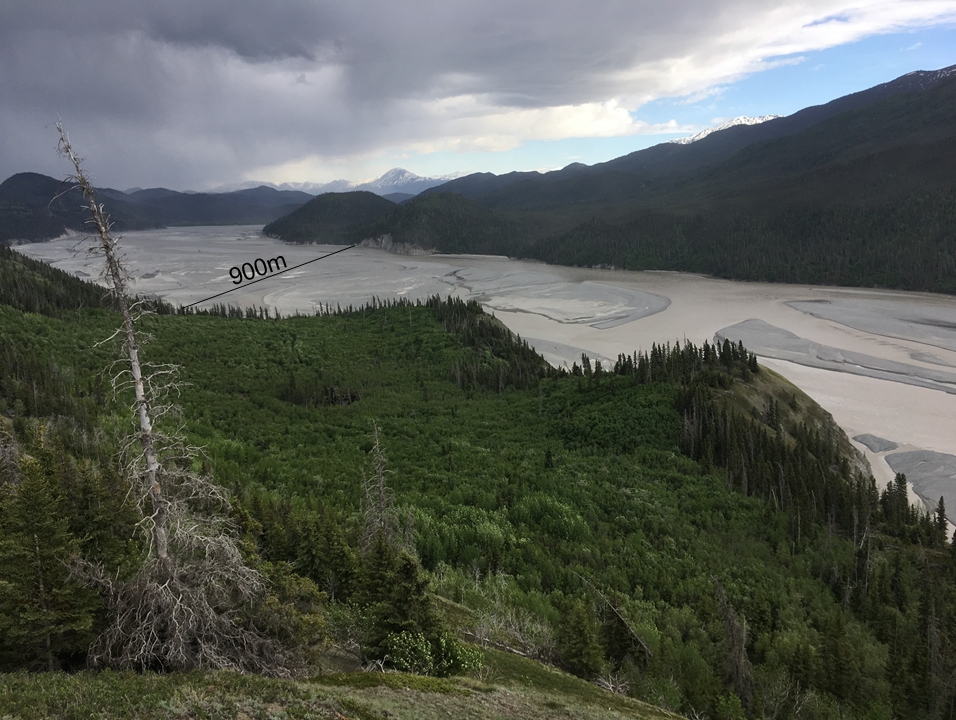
(396, 180)
(927, 78)
(742, 120)
(393, 178)
(399, 180)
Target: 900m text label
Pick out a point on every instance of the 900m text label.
(248, 271)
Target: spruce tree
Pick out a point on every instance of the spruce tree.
(578, 643)
(45, 618)
(940, 522)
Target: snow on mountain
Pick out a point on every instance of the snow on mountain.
(400, 180)
(396, 180)
(927, 78)
(395, 176)
(742, 120)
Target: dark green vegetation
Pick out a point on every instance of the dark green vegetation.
(36, 287)
(345, 218)
(464, 225)
(684, 527)
(36, 207)
(326, 218)
(861, 191)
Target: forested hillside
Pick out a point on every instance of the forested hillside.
(35, 207)
(328, 218)
(684, 527)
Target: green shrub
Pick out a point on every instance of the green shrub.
(410, 652)
(453, 657)
(442, 655)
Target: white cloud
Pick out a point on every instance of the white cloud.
(700, 95)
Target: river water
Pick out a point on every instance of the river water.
(883, 363)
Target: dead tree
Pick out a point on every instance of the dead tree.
(381, 514)
(117, 280)
(9, 459)
(737, 666)
(193, 602)
(637, 638)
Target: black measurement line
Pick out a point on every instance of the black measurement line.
(271, 276)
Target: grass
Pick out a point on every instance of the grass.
(394, 681)
(515, 688)
(562, 689)
(107, 695)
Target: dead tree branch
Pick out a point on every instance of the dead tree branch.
(631, 631)
(117, 280)
(194, 602)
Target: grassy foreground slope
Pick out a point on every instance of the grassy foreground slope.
(512, 688)
(676, 526)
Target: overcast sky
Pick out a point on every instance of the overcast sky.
(189, 94)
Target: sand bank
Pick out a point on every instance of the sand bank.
(769, 341)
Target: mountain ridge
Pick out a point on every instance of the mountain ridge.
(35, 207)
(674, 160)
(860, 191)
(740, 120)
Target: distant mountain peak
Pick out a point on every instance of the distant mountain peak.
(928, 78)
(395, 176)
(742, 120)
(248, 185)
(395, 180)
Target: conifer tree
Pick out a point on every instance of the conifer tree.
(395, 597)
(325, 556)
(578, 641)
(44, 615)
(940, 522)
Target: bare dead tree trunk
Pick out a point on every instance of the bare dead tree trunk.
(633, 633)
(194, 602)
(737, 665)
(9, 454)
(381, 515)
(117, 279)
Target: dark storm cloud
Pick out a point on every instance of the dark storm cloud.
(253, 30)
(188, 94)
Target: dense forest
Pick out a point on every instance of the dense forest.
(903, 243)
(423, 493)
(328, 217)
